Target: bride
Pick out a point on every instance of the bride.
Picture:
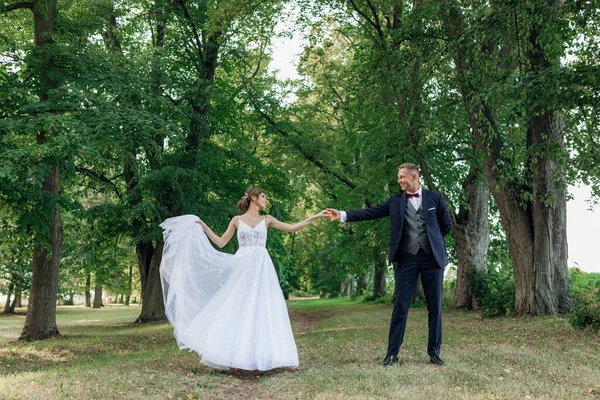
(229, 308)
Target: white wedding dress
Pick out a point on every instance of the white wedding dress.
(229, 308)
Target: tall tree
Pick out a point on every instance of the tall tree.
(529, 188)
(183, 165)
(48, 238)
(382, 86)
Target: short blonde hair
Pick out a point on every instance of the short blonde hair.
(411, 167)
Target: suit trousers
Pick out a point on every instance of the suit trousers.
(432, 277)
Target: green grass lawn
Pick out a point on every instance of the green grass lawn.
(340, 343)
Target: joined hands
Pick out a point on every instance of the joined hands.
(332, 214)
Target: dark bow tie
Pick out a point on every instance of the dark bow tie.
(408, 195)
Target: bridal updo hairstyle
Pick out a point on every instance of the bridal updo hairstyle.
(246, 199)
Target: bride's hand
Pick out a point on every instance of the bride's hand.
(322, 214)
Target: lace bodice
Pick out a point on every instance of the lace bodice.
(252, 237)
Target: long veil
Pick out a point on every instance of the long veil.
(191, 272)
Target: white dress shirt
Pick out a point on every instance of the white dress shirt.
(414, 201)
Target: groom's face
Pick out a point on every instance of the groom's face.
(408, 181)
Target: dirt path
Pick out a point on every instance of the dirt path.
(303, 321)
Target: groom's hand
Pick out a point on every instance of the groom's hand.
(333, 214)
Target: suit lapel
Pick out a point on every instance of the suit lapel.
(425, 203)
(402, 206)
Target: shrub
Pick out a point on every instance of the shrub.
(494, 289)
(585, 291)
(449, 287)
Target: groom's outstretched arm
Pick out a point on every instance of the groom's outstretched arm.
(378, 211)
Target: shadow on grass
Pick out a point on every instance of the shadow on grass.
(13, 314)
(246, 375)
(84, 343)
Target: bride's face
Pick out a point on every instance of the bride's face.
(261, 201)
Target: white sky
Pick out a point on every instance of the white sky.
(583, 225)
(583, 231)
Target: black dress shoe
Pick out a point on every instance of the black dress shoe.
(437, 361)
(389, 360)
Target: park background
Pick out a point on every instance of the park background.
(118, 114)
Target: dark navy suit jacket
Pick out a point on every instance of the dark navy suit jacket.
(437, 220)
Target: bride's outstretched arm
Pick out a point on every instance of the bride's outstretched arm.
(272, 222)
(220, 241)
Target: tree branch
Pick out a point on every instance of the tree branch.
(101, 178)
(262, 52)
(378, 24)
(192, 25)
(306, 154)
(366, 17)
(17, 6)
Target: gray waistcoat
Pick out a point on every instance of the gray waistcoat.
(414, 232)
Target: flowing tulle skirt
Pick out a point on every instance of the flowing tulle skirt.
(228, 308)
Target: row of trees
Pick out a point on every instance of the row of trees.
(117, 116)
(488, 98)
(135, 105)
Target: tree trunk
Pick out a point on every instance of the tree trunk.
(349, 285)
(149, 258)
(362, 284)
(472, 235)
(129, 285)
(549, 216)
(16, 302)
(40, 322)
(546, 144)
(98, 295)
(8, 295)
(379, 280)
(88, 288)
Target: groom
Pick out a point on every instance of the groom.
(419, 222)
